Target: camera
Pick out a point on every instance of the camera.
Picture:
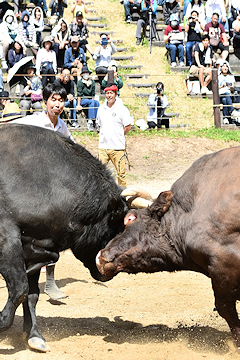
(229, 84)
(190, 19)
(104, 41)
(159, 91)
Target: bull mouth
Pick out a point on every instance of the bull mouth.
(105, 267)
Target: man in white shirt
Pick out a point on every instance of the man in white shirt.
(114, 121)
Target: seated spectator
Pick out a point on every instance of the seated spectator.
(201, 64)
(80, 6)
(117, 79)
(171, 7)
(15, 54)
(128, 5)
(193, 28)
(217, 35)
(71, 102)
(4, 7)
(31, 91)
(146, 5)
(236, 34)
(4, 99)
(226, 86)
(60, 35)
(102, 55)
(216, 7)
(8, 33)
(78, 28)
(37, 20)
(27, 35)
(86, 94)
(198, 6)
(157, 103)
(74, 57)
(57, 7)
(46, 62)
(173, 37)
(233, 11)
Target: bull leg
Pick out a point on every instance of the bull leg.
(51, 288)
(12, 268)
(227, 309)
(35, 339)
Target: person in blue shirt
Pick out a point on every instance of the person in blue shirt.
(146, 6)
(74, 57)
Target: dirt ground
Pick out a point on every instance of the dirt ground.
(137, 317)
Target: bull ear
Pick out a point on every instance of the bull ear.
(161, 204)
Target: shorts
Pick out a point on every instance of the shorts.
(194, 70)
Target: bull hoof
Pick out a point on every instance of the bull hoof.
(38, 344)
(54, 293)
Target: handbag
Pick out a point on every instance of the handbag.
(36, 97)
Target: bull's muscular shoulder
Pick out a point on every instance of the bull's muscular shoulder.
(208, 176)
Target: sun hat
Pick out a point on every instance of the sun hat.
(47, 38)
(85, 70)
(10, 112)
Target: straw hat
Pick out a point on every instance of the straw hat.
(10, 112)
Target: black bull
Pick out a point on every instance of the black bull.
(194, 226)
(54, 195)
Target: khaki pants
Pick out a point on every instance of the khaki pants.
(117, 157)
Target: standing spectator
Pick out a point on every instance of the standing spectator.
(8, 33)
(128, 5)
(74, 57)
(198, 6)
(117, 79)
(157, 103)
(32, 92)
(216, 7)
(37, 20)
(236, 33)
(217, 35)
(102, 55)
(226, 86)
(146, 5)
(27, 34)
(46, 62)
(78, 28)
(60, 35)
(201, 64)
(171, 7)
(114, 121)
(68, 84)
(80, 6)
(173, 37)
(193, 28)
(57, 7)
(86, 94)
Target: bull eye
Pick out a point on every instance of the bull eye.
(129, 219)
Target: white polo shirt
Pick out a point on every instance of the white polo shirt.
(112, 122)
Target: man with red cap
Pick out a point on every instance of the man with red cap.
(114, 121)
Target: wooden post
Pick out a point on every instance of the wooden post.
(216, 98)
(110, 76)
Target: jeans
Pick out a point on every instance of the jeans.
(39, 2)
(92, 105)
(173, 52)
(142, 24)
(189, 45)
(72, 105)
(128, 6)
(226, 100)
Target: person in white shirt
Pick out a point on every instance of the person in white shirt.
(46, 62)
(54, 97)
(114, 121)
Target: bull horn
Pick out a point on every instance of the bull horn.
(137, 202)
(136, 192)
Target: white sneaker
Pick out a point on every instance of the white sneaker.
(204, 90)
(235, 113)
(209, 92)
(225, 121)
(173, 64)
(90, 125)
(181, 64)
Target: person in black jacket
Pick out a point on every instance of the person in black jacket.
(71, 102)
(193, 28)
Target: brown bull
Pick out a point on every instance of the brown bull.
(194, 226)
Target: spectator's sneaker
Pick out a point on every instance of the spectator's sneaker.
(209, 92)
(235, 114)
(138, 41)
(181, 64)
(121, 1)
(129, 19)
(173, 64)
(204, 90)
(225, 121)
(74, 125)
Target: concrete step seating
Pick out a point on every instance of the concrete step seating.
(97, 18)
(98, 25)
(100, 32)
(130, 67)
(150, 85)
(123, 57)
(136, 76)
